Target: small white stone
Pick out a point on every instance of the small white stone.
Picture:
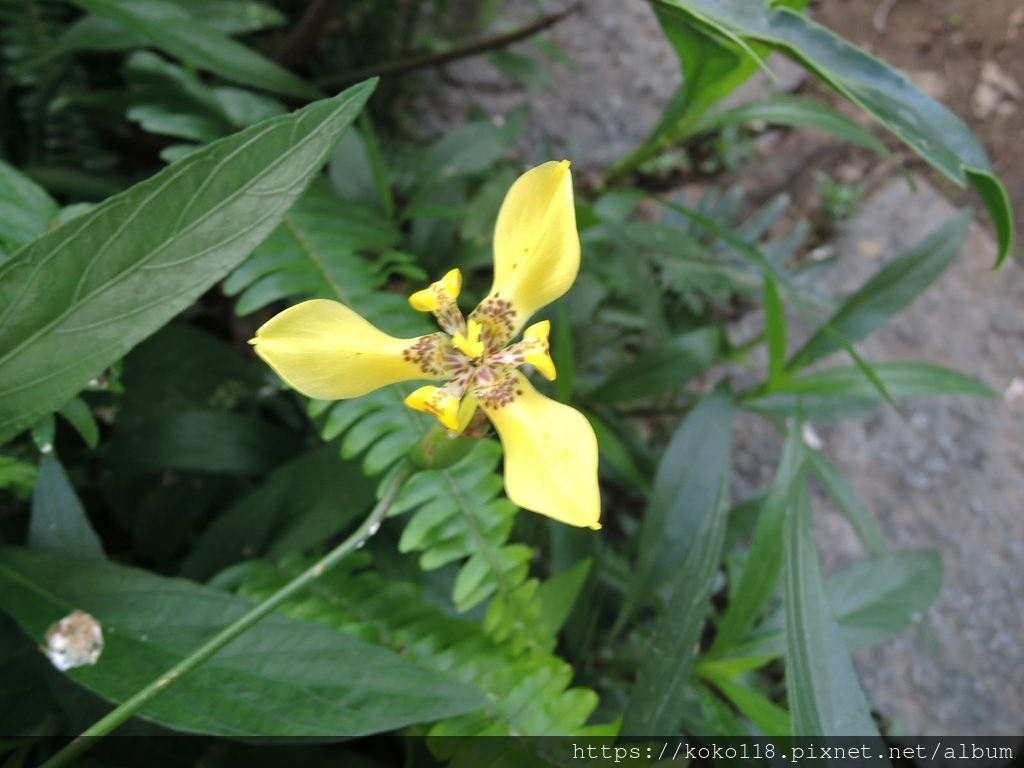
(1015, 392)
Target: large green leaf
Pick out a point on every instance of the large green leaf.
(171, 28)
(891, 289)
(931, 130)
(825, 696)
(686, 489)
(281, 678)
(76, 299)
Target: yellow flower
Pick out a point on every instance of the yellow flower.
(326, 351)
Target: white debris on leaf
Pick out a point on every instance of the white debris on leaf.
(74, 641)
(1015, 392)
(811, 438)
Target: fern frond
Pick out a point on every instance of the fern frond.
(333, 249)
(459, 514)
(528, 691)
(47, 86)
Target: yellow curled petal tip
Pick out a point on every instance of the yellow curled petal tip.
(538, 350)
(439, 294)
(438, 402)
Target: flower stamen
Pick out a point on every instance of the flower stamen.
(439, 298)
(469, 343)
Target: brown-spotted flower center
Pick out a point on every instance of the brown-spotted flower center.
(473, 356)
(327, 351)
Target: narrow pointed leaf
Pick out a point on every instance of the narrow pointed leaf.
(686, 487)
(669, 364)
(887, 293)
(850, 504)
(825, 696)
(774, 330)
(26, 209)
(765, 560)
(657, 705)
(798, 113)
(58, 521)
(902, 379)
(76, 299)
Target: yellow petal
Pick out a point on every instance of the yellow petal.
(536, 248)
(438, 402)
(328, 352)
(438, 295)
(538, 349)
(550, 452)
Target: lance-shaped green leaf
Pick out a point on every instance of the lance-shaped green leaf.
(931, 130)
(798, 113)
(825, 696)
(657, 706)
(871, 600)
(850, 504)
(764, 563)
(902, 379)
(75, 300)
(686, 487)
(774, 331)
(172, 29)
(281, 678)
(891, 289)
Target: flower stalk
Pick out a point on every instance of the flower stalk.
(179, 671)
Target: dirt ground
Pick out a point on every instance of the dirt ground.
(968, 54)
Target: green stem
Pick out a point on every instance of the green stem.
(202, 654)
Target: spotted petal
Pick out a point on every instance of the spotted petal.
(550, 452)
(536, 249)
(326, 351)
